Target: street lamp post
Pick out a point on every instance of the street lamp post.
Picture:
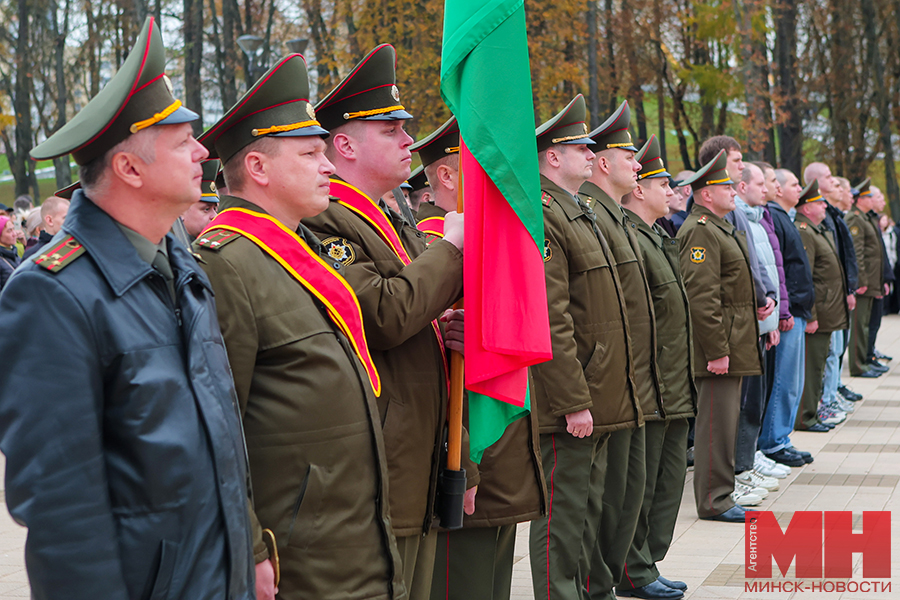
(251, 46)
(297, 45)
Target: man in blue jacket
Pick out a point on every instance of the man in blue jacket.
(124, 452)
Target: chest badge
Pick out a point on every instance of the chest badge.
(340, 250)
(548, 253)
(698, 255)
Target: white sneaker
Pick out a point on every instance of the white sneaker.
(769, 467)
(749, 489)
(756, 479)
(845, 405)
(745, 498)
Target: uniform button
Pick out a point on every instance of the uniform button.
(337, 265)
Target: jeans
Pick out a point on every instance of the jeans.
(781, 411)
(833, 367)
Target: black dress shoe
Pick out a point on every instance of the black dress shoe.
(870, 374)
(819, 428)
(881, 356)
(786, 457)
(675, 585)
(735, 514)
(874, 364)
(849, 394)
(806, 456)
(652, 590)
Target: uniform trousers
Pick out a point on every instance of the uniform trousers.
(623, 495)
(874, 325)
(574, 470)
(718, 410)
(474, 564)
(417, 557)
(818, 346)
(666, 466)
(781, 410)
(859, 335)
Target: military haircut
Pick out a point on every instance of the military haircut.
(716, 144)
(781, 176)
(747, 173)
(52, 205)
(814, 170)
(234, 168)
(451, 160)
(354, 128)
(845, 183)
(142, 144)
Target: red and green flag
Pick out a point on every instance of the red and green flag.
(486, 82)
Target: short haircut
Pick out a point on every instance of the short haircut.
(763, 165)
(748, 173)
(845, 183)
(711, 147)
(234, 169)
(52, 205)
(814, 170)
(142, 144)
(781, 175)
(451, 160)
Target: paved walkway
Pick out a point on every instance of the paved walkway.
(857, 468)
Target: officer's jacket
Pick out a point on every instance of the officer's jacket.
(317, 459)
(398, 304)
(867, 245)
(620, 235)
(797, 274)
(834, 221)
(830, 309)
(119, 423)
(714, 264)
(674, 337)
(592, 366)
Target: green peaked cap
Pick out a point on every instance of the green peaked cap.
(277, 106)
(440, 143)
(652, 165)
(613, 132)
(862, 188)
(138, 96)
(810, 194)
(208, 190)
(712, 173)
(565, 127)
(368, 93)
(417, 179)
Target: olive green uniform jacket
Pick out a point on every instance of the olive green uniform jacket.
(317, 457)
(715, 267)
(592, 366)
(830, 309)
(673, 318)
(398, 304)
(867, 244)
(428, 210)
(620, 235)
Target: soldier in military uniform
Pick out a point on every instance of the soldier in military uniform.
(830, 312)
(867, 244)
(200, 214)
(666, 458)
(306, 381)
(716, 271)
(421, 193)
(401, 288)
(439, 152)
(587, 390)
(614, 176)
(124, 460)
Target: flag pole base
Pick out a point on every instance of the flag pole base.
(452, 486)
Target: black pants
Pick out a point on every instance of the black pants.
(875, 324)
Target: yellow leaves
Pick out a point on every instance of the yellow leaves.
(7, 120)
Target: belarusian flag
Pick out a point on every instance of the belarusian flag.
(486, 82)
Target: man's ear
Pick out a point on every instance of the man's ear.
(445, 176)
(344, 145)
(128, 168)
(639, 192)
(554, 157)
(603, 164)
(256, 166)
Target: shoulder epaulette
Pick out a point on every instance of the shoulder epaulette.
(215, 239)
(702, 220)
(802, 226)
(546, 198)
(60, 255)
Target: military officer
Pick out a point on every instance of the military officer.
(439, 152)
(305, 378)
(199, 215)
(421, 193)
(716, 271)
(830, 312)
(867, 244)
(476, 562)
(587, 390)
(401, 289)
(125, 461)
(666, 457)
(614, 175)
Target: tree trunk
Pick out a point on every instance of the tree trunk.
(790, 132)
(193, 59)
(660, 75)
(593, 74)
(61, 165)
(22, 101)
(612, 99)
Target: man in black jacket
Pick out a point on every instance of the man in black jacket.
(124, 458)
(778, 421)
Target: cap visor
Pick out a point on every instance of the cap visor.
(182, 115)
(209, 199)
(585, 140)
(658, 175)
(405, 186)
(303, 132)
(394, 115)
